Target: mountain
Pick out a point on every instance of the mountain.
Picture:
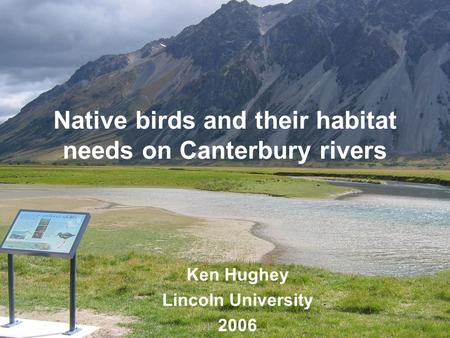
(332, 55)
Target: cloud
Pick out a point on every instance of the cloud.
(20, 85)
(44, 42)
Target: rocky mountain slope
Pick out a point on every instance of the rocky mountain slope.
(333, 55)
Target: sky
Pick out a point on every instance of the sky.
(43, 42)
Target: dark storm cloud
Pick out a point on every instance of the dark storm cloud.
(43, 42)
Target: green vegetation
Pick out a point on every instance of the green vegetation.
(406, 175)
(272, 181)
(132, 284)
(114, 278)
(204, 179)
(118, 232)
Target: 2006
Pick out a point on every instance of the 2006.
(233, 325)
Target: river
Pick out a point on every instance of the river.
(394, 230)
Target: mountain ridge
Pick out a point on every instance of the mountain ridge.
(304, 55)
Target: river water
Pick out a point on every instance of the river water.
(374, 233)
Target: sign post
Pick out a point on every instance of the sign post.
(73, 296)
(12, 310)
(50, 234)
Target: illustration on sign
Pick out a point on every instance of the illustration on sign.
(51, 232)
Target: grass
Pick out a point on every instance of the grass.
(114, 278)
(132, 284)
(405, 174)
(271, 181)
(204, 179)
(112, 232)
(399, 174)
(119, 231)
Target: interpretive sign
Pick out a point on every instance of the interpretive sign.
(45, 233)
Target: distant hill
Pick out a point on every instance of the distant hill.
(377, 55)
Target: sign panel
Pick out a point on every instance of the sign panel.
(45, 233)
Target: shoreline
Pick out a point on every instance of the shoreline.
(241, 243)
(270, 256)
(369, 176)
(212, 239)
(210, 234)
